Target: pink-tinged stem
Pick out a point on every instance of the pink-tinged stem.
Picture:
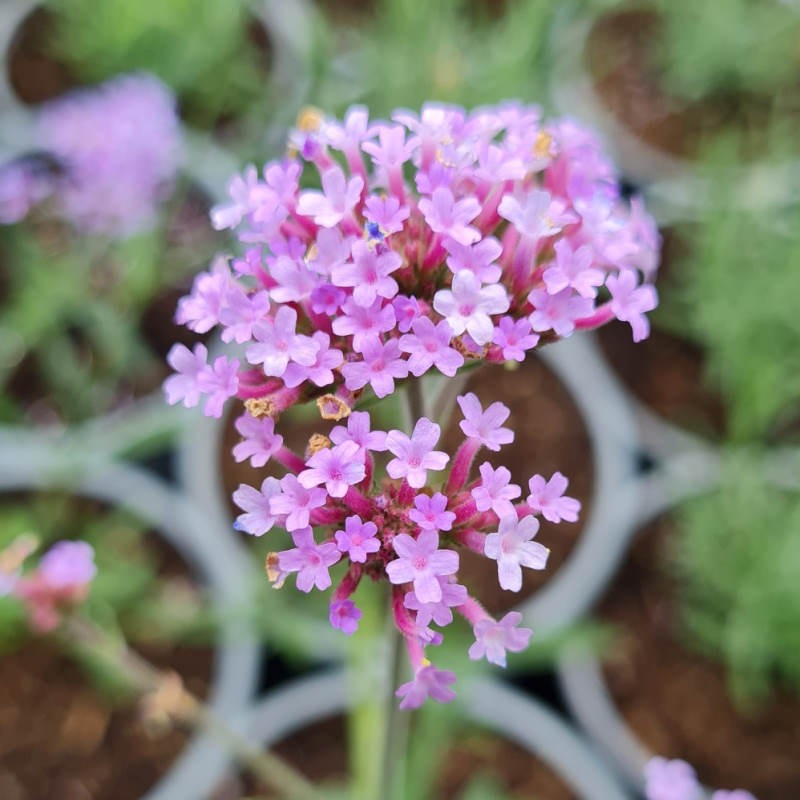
(322, 160)
(402, 619)
(602, 315)
(509, 243)
(473, 611)
(358, 503)
(350, 226)
(465, 511)
(488, 219)
(369, 471)
(436, 254)
(307, 225)
(523, 510)
(296, 229)
(462, 464)
(349, 583)
(396, 185)
(290, 460)
(356, 164)
(327, 516)
(250, 392)
(472, 540)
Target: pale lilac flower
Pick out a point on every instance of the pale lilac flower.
(420, 561)
(547, 498)
(670, 780)
(259, 440)
(514, 337)
(311, 561)
(358, 539)
(295, 281)
(278, 343)
(513, 549)
(537, 216)
(431, 514)
(22, 186)
(453, 595)
(200, 310)
(415, 455)
(467, 306)
(573, 269)
(734, 794)
(358, 431)
(479, 259)
(258, 517)
(327, 299)
(68, 565)
(392, 150)
(220, 383)
(240, 190)
(336, 200)
(364, 324)
(330, 249)
(381, 364)
(183, 387)
(349, 135)
(344, 615)
(485, 426)
(451, 217)
(240, 312)
(629, 302)
(493, 639)
(296, 502)
(558, 311)
(406, 310)
(320, 371)
(429, 346)
(428, 682)
(368, 273)
(495, 491)
(386, 213)
(336, 467)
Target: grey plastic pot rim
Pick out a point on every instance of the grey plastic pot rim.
(489, 703)
(214, 554)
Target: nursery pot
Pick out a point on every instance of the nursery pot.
(489, 704)
(657, 697)
(33, 464)
(675, 187)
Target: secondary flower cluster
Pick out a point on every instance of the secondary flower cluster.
(407, 528)
(116, 149)
(677, 780)
(58, 583)
(430, 240)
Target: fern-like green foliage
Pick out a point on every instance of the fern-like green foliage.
(737, 293)
(728, 46)
(201, 48)
(738, 561)
(71, 307)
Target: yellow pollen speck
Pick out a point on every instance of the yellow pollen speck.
(310, 119)
(260, 407)
(426, 662)
(317, 442)
(273, 572)
(332, 407)
(311, 253)
(542, 147)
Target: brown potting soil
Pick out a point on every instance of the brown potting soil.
(621, 56)
(677, 701)
(320, 753)
(61, 738)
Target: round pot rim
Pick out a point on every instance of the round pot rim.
(213, 553)
(673, 186)
(507, 711)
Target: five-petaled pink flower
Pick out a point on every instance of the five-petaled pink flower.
(429, 345)
(449, 216)
(415, 455)
(259, 440)
(495, 491)
(492, 639)
(258, 517)
(336, 200)
(629, 302)
(311, 561)
(337, 467)
(547, 498)
(358, 539)
(431, 514)
(513, 549)
(485, 426)
(428, 682)
(296, 502)
(467, 306)
(420, 560)
(278, 343)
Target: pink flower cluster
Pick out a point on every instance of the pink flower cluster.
(407, 528)
(117, 147)
(60, 581)
(379, 250)
(676, 780)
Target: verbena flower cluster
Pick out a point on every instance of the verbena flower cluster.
(676, 780)
(407, 528)
(116, 149)
(58, 583)
(375, 251)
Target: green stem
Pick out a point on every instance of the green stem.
(396, 724)
(273, 771)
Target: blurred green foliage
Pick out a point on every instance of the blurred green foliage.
(738, 560)
(730, 46)
(71, 308)
(200, 48)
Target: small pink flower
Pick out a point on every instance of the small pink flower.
(547, 498)
(320, 371)
(492, 639)
(558, 311)
(183, 387)
(573, 269)
(429, 346)
(428, 682)
(344, 615)
(358, 431)
(670, 780)
(386, 213)
(420, 560)
(467, 306)
(311, 561)
(258, 517)
(220, 383)
(278, 343)
(513, 549)
(449, 216)
(336, 200)
(381, 365)
(629, 302)
(495, 492)
(368, 273)
(485, 426)
(431, 514)
(514, 338)
(415, 455)
(479, 259)
(337, 467)
(296, 502)
(358, 539)
(68, 565)
(364, 324)
(537, 216)
(453, 595)
(259, 442)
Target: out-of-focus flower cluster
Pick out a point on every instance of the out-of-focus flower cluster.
(115, 149)
(56, 585)
(407, 528)
(676, 780)
(375, 251)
